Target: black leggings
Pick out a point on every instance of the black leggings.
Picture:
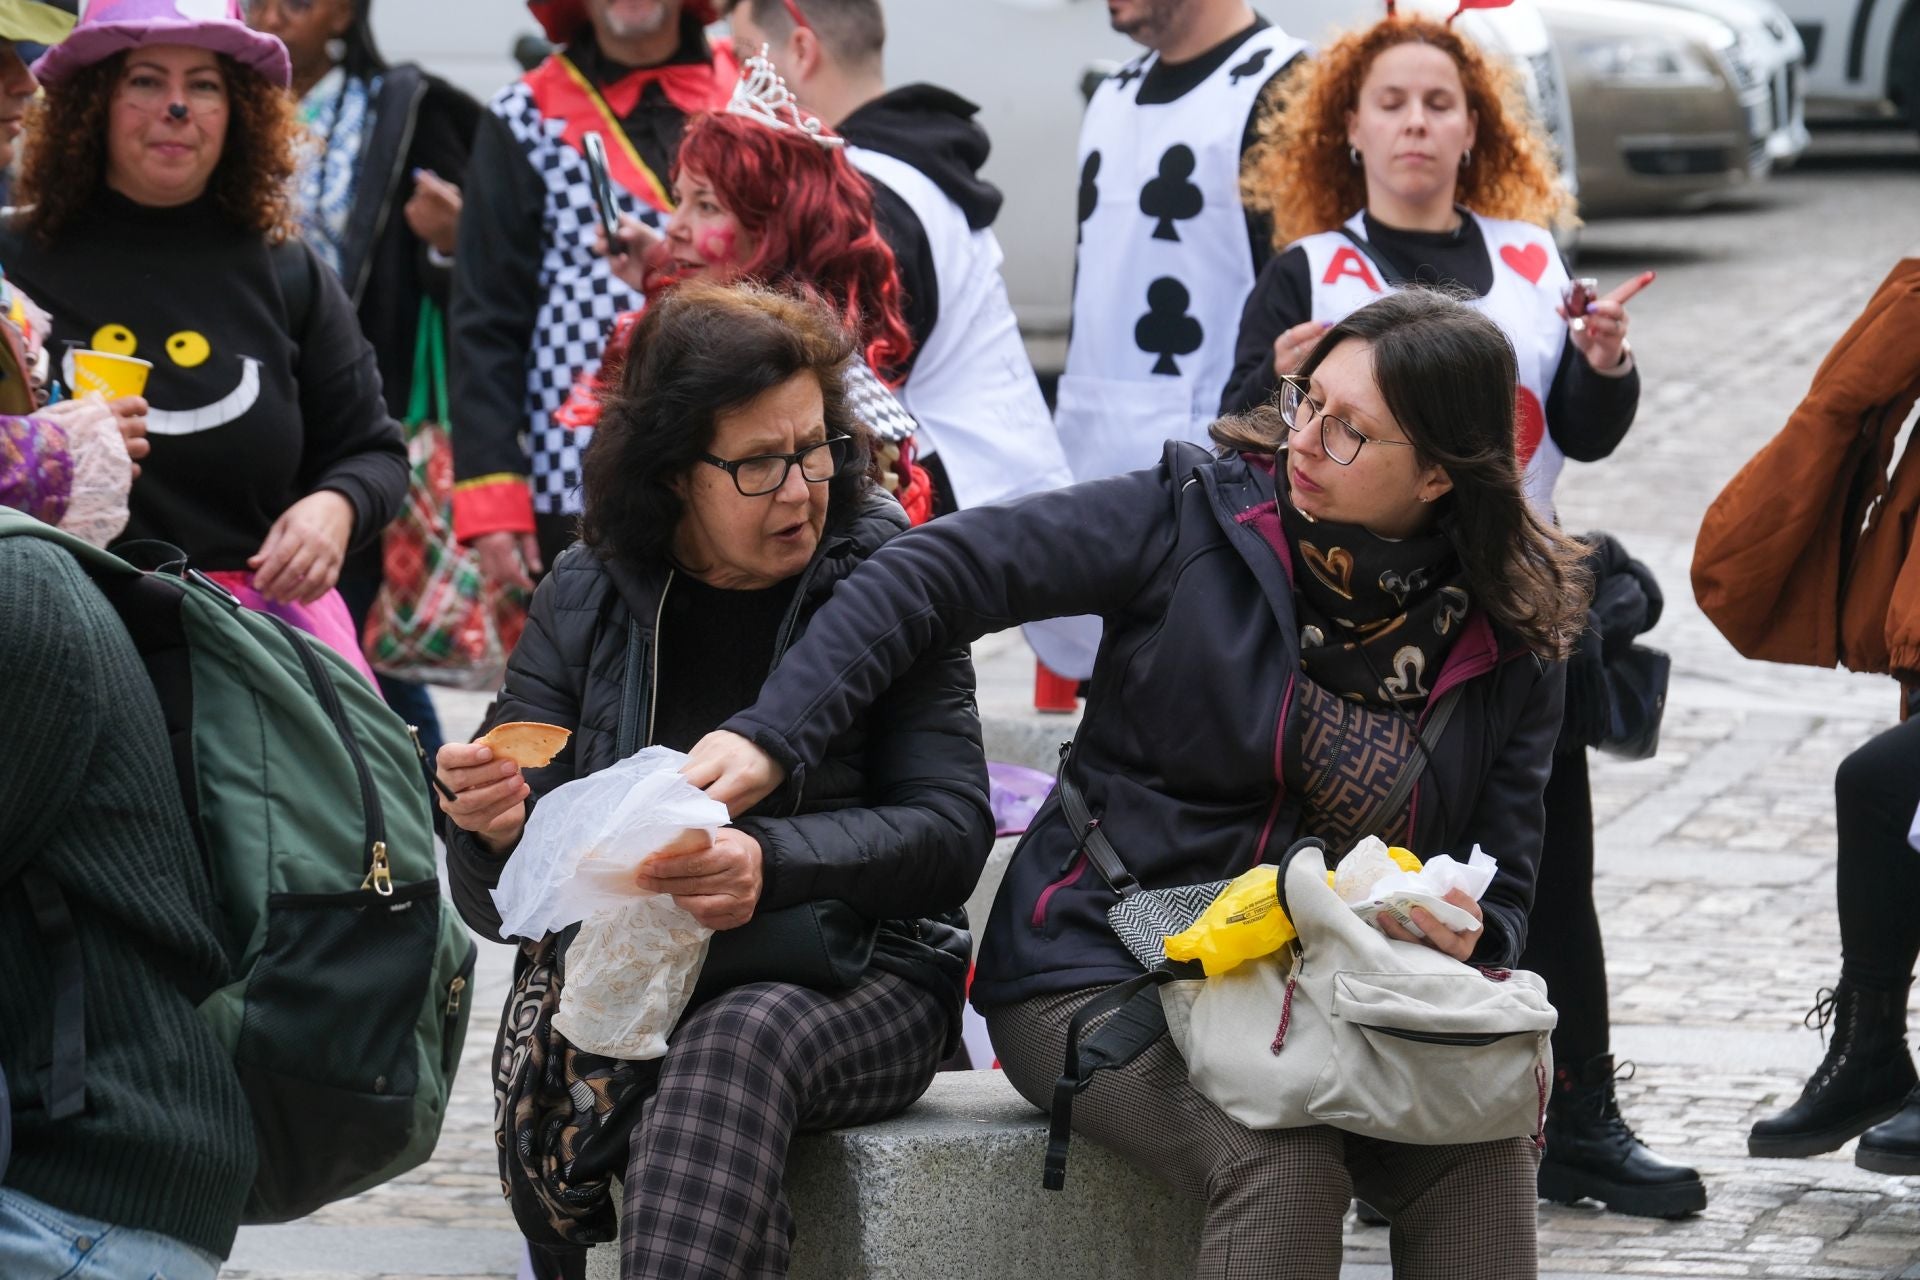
(1563, 932)
(1875, 794)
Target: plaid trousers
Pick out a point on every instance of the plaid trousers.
(745, 1072)
(1276, 1198)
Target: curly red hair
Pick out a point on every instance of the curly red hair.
(66, 160)
(1300, 172)
(810, 213)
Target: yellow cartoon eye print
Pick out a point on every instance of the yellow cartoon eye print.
(188, 349)
(115, 340)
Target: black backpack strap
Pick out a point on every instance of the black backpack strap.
(67, 1079)
(1138, 1022)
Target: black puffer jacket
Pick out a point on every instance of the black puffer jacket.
(1180, 753)
(895, 821)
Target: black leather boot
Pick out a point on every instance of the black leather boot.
(1864, 1079)
(1893, 1147)
(1592, 1154)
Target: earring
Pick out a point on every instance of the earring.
(1353, 156)
(336, 50)
(1466, 157)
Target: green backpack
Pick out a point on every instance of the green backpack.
(351, 995)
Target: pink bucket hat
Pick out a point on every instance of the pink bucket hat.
(108, 27)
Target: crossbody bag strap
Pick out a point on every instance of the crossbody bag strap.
(1387, 274)
(1089, 838)
(1410, 776)
(1138, 1022)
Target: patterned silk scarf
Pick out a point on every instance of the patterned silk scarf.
(338, 114)
(1376, 616)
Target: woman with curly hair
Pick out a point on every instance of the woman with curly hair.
(156, 228)
(1402, 154)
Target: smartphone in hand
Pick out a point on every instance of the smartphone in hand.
(602, 187)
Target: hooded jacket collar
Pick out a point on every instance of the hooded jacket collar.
(933, 130)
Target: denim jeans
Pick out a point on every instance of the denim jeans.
(40, 1242)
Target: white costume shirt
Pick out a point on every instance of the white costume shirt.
(972, 388)
(1165, 262)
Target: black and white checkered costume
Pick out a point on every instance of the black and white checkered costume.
(581, 297)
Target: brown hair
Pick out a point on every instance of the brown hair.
(66, 160)
(1447, 374)
(701, 350)
(1300, 172)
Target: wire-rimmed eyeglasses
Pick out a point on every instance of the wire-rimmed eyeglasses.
(1339, 439)
(764, 473)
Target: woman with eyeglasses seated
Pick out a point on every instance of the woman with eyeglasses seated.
(1404, 154)
(1277, 620)
(155, 225)
(728, 492)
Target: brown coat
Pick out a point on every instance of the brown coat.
(1809, 554)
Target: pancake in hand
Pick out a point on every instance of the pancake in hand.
(527, 743)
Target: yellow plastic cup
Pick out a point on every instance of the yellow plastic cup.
(111, 375)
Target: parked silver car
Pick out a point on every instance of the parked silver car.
(1767, 54)
(1667, 113)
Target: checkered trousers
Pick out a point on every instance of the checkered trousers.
(581, 297)
(744, 1073)
(1276, 1197)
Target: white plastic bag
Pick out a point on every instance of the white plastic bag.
(631, 969)
(1398, 892)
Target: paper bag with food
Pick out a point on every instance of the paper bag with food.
(1375, 880)
(631, 968)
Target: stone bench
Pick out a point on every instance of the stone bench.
(951, 1188)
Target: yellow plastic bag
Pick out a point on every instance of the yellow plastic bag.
(1246, 921)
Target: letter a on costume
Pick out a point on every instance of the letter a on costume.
(1348, 262)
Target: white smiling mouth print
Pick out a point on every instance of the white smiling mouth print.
(186, 422)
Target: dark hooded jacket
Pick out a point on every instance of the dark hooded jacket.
(933, 130)
(895, 821)
(1181, 750)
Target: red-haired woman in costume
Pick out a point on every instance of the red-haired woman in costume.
(759, 196)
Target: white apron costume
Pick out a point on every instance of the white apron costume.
(1165, 263)
(972, 389)
(1528, 277)
(1164, 267)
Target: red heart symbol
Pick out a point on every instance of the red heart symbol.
(1530, 260)
(1529, 424)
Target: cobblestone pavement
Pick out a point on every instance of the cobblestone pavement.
(1715, 878)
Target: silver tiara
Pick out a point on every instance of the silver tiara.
(760, 94)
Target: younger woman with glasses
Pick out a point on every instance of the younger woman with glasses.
(1279, 619)
(1403, 154)
(727, 496)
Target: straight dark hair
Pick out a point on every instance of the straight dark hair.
(702, 350)
(362, 60)
(1447, 374)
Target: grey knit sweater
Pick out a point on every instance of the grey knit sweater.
(87, 791)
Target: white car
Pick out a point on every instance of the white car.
(1768, 60)
(1863, 57)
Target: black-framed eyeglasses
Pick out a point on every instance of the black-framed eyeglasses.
(764, 473)
(1339, 439)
